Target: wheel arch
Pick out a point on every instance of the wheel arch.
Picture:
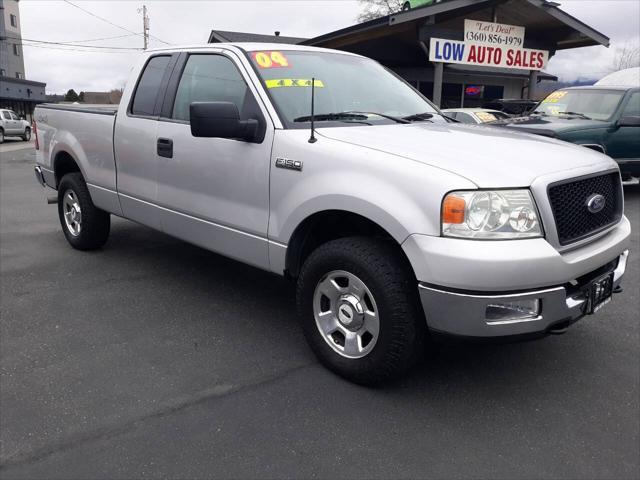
(327, 225)
(63, 163)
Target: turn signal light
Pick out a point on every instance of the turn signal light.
(453, 209)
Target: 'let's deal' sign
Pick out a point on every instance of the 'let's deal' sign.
(489, 46)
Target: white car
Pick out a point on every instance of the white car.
(474, 115)
(11, 125)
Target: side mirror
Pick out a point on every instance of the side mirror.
(220, 120)
(629, 121)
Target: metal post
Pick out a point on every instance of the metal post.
(437, 83)
(145, 26)
(533, 82)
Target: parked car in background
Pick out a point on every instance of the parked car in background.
(513, 107)
(410, 4)
(474, 115)
(392, 220)
(605, 118)
(11, 125)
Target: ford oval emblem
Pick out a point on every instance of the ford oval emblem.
(596, 202)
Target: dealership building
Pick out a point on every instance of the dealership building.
(459, 52)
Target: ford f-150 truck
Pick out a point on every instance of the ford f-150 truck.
(325, 167)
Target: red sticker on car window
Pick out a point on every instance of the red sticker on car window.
(271, 59)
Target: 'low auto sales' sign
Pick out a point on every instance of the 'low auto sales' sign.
(490, 45)
(452, 51)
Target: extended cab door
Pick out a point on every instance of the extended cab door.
(214, 191)
(135, 142)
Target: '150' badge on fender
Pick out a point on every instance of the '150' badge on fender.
(289, 164)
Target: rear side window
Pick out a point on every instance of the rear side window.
(210, 78)
(148, 89)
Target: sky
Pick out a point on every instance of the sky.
(190, 22)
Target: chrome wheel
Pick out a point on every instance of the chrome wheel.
(72, 212)
(346, 314)
(27, 135)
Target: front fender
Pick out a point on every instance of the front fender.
(401, 196)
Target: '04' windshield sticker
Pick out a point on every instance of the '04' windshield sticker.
(271, 59)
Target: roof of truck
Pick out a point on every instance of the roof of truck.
(250, 47)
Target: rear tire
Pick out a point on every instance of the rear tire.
(85, 226)
(406, 6)
(358, 304)
(27, 134)
(1, 136)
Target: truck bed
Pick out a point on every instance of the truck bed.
(87, 131)
(96, 109)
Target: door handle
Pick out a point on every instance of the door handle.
(165, 147)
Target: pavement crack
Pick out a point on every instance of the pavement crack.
(179, 404)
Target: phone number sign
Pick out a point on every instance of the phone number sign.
(496, 34)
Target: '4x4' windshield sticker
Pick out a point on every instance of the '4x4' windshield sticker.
(293, 82)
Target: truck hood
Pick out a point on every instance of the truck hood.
(489, 157)
(549, 126)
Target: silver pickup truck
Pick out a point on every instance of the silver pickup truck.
(11, 125)
(395, 223)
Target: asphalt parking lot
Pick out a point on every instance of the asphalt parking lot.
(154, 358)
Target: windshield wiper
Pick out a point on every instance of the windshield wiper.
(427, 116)
(360, 116)
(383, 115)
(327, 117)
(582, 115)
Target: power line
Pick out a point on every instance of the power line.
(69, 49)
(71, 44)
(108, 21)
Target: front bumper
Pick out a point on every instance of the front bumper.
(464, 314)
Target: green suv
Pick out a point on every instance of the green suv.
(604, 118)
(409, 4)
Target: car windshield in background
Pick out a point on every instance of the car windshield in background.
(348, 89)
(595, 104)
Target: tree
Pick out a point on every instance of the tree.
(372, 9)
(71, 96)
(627, 56)
(81, 97)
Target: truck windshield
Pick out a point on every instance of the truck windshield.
(595, 104)
(343, 84)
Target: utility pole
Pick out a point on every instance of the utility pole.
(145, 26)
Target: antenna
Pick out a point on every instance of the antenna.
(313, 138)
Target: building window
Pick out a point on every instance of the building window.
(14, 21)
(16, 50)
(19, 75)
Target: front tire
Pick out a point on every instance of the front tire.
(1, 136)
(358, 304)
(27, 134)
(85, 226)
(406, 6)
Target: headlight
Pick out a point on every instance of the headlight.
(490, 215)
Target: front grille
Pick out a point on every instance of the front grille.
(569, 201)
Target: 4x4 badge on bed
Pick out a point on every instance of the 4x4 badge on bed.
(596, 202)
(289, 164)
